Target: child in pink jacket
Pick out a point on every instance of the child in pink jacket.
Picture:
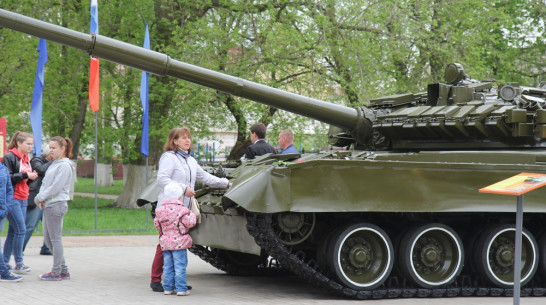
(173, 220)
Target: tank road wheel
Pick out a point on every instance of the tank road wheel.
(431, 255)
(293, 228)
(360, 256)
(495, 255)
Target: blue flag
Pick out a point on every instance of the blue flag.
(144, 100)
(94, 27)
(36, 106)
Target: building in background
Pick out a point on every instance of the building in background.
(216, 147)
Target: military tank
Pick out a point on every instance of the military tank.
(397, 216)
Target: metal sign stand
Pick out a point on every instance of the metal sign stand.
(517, 263)
(517, 185)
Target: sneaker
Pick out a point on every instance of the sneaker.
(65, 276)
(156, 286)
(10, 278)
(50, 277)
(168, 292)
(21, 269)
(182, 294)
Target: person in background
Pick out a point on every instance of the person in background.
(18, 165)
(173, 221)
(6, 193)
(40, 164)
(176, 165)
(259, 146)
(286, 139)
(57, 188)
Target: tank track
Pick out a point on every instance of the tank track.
(259, 226)
(212, 256)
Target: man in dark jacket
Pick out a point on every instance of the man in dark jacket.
(260, 146)
(40, 164)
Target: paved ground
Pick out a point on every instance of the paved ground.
(105, 196)
(116, 270)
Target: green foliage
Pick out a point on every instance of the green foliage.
(282, 163)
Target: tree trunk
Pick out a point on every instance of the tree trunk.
(77, 129)
(104, 174)
(239, 149)
(135, 180)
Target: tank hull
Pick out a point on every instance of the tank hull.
(422, 209)
(357, 181)
(360, 184)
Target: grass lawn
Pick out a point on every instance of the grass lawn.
(112, 220)
(87, 185)
(80, 218)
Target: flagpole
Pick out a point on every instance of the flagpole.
(96, 165)
(144, 99)
(94, 94)
(147, 214)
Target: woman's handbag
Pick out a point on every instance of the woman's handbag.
(195, 209)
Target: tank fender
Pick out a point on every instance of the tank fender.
(257, 191)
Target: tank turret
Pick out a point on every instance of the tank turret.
(462, 113)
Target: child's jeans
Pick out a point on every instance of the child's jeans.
(174, 270)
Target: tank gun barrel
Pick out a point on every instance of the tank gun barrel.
(161, 64)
